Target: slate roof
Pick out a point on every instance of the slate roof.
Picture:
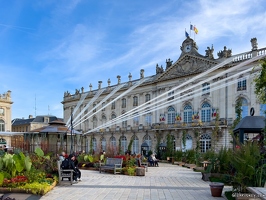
(251, 124)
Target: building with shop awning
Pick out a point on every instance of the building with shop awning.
(55, 137)
(249, 125)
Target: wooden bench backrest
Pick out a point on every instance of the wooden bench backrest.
(113, 161)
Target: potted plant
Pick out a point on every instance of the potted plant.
(216, 189)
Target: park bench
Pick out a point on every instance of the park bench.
(64, 173)
(114, 164)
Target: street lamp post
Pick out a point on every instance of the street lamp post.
(162, 148)
(71, 132)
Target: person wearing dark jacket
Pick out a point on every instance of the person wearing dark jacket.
(76, 165)
(72, 166)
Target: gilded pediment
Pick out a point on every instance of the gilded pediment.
(187, 65)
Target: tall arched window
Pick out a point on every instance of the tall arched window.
(171, 115)
(205, 112)
(244, 107)
(148, 140)
(103, 119)
(188, 143)
(2, 125)
(113, 116)
(94, 122)
(135, 145)
(94, 144)
(123, 140)
(113, 141)
(103, 144)
(113, 144)
(205, 142)
(187, 113)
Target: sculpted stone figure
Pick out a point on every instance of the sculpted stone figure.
(159, 70)
(254, 44)
(209, 52)
(225, 53)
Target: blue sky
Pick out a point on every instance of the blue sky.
(50, 47)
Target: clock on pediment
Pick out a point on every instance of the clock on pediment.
(189, 46)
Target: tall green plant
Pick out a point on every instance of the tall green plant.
(215, 131)
(260, 88)
(238, 111)
(245, 161)
(169, 145)
(184, 139)
(129, 148)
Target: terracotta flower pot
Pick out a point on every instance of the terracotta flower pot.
(216, 189)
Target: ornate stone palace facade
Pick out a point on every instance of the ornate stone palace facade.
(187, 100)
(5, 118)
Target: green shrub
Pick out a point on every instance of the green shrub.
(245, 161)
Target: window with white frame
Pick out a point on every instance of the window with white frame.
(123, 144)
(187, 113)
(103, 104)
(147, 97)
(103, 144)
(171, 115)
(113, 116)
(136, 119)
(148, 140)
(113, 143)
(124, 103)
(205, 88)
(242, 84)
(94, 122)
(170, 95)
(94, 144)
(244, 107)
(113, 105)
(2, 125)
(94, 105)
(206, 112)
(148, 119)
(104, 120)
(205, 142)
(135, 145)
(135, 101)
(124, 123)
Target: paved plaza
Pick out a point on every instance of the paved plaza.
(164, 182)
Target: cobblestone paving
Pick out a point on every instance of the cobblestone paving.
(164, 182)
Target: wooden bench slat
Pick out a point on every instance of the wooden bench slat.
(64, 173)
(112, 164)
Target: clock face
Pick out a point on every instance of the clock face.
(188, 48)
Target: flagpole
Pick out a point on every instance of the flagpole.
(190, 29)
(194, 32)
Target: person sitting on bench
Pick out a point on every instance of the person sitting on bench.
(155, 160)
(151, 161)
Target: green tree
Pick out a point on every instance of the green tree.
(260, 89)
(169, 145)
(260, 83)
